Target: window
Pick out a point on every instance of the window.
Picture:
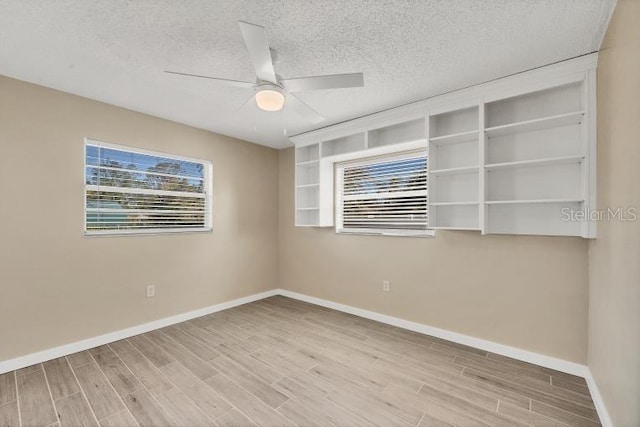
(383, 196)
(130, 191)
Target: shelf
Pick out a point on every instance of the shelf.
(453, 203)
(307, 209)
(535, 201)
(538, 162)
(307, 185)
(307, 163)
(536, 124)
(455, 138)
(454, 171)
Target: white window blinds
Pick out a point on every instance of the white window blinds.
(383, 196)
(135, 191)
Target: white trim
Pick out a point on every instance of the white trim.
(605, 419)
(66, 349)
(505, 350)
(127, 148)
(207, 194)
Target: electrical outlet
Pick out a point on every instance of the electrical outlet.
(386, 286)
(151, 291)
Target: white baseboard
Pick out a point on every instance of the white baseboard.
(505, 350)
(605, 419)
(64, 350)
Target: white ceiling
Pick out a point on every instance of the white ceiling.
(115, 51)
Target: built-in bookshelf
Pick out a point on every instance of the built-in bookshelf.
(535, 161)
(307, 198)
(513, 156)
(454, 169)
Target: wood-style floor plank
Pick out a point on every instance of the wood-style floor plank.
(7, 388)
(78, 359)
(146, 410)
(182, 409)
(284, 362)
(35, 403)
(256, 410)
(101, 396)
(150, 350)
(119, 419)
(250, 382)
(9, 416)
(73, 411)
(62, 382)
(234, 418)
(197, 366)
(120, 377)
(150, 376)
(203, 396)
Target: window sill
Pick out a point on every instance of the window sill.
(117, 233)
(390, 233)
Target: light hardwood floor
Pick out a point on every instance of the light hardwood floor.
(280, 362)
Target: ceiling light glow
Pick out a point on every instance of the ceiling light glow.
(270, 99)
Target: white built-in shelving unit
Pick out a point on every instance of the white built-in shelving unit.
(454, 169)
(508, 157)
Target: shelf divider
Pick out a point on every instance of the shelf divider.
(536, 124)
(532, 201)
(453, 171)
(455, 138)
(536, 162)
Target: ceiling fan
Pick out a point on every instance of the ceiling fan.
(271, 92)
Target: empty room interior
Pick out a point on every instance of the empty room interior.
(320, 213)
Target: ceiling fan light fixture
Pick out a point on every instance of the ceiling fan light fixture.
(270, 99)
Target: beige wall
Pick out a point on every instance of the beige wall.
(614, 257)
(526, 292)
(57, 286)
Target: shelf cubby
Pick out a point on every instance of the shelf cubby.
(307, 154)
(343, 145)
(413, 130)
(453, 125)
(307, 217)
(453, 188)
(307, 197)
(541, 108)
(307, 174)
(531, 217)
(454, 217)
(555, 181)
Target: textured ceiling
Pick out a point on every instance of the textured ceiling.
(115, 51)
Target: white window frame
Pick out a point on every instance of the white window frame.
(208, 192)
(375, 231)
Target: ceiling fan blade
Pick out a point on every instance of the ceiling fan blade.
(332, 81)
(250, 100)
(255, 37)
(296, 105)
(237, 83)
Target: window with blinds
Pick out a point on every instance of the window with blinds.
(129, 191)
(383, 196)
